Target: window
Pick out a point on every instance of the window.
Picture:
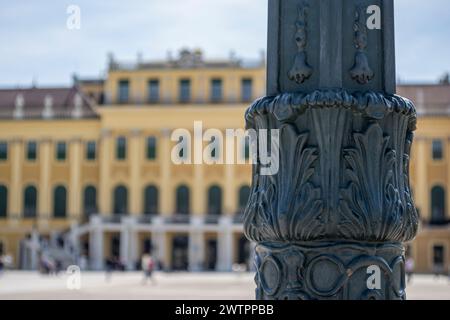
(247, 90)
(3, 151)
(151, 148)
(121, 200)
(244, 195)
(438, 205)
(121, 148)
(185, 90)
(32, 150)
(90, 200)
(124, 91)
(91, 150)
(438, 153)
(60, 202)
(153, 91)
(216, 90)
(61, 151)
(183, 205)
(115, 247)
(438, 256)
(151, 200)
(3, 201)
(30, 202)
(215, 200)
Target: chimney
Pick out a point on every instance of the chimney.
(77, 112)
(19, 105)
(47, 113)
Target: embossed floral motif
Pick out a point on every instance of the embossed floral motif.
(371, 205)
(287, 206)
(371, 200)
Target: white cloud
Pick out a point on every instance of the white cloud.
(38, 44)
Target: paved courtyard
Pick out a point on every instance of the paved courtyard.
(207, 286)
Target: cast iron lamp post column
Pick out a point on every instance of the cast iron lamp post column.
(332, 222)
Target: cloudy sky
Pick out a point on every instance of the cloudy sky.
(36, 44)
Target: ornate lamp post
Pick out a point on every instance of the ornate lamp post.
(332, 222)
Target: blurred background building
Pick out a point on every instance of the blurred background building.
(86, 171)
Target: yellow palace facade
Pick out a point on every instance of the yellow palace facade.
(86, 172)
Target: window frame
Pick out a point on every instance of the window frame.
(56, 213)
(61, 155)
(179, 205)
(4, 151)
(154, 208)
(120, 87)
(437, 154)
(87, 151)
(151, 152)
(213, 97)
(442, 195)
(211, 208)
(126, 199)
(4, 204)
(26, 209)
(29, 149)
(244, 97)
(183, 84)
(121, 150)
(154, 97)
(88, 210)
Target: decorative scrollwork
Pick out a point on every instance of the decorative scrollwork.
(301, 71)
(328, 271)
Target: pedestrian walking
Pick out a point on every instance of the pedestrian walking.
(409, 269)
(148, 266)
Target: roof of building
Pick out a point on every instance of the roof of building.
(187, 59)
(45, 103)
(90, 81)
(429, 99)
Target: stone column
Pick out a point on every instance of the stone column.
(159, 240)
(422, 191)
(44, 182)
(230, 192)
(128, 243)
(96, 256)
(136, 156)
(448, 177)
(332, 212)
(34, 249)
(165, 165)
(16, 193)
(75, 154)
(199, 189)
(105, 172)
(125, 242)
(225, 245)
(196, 245)
(74, 238)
